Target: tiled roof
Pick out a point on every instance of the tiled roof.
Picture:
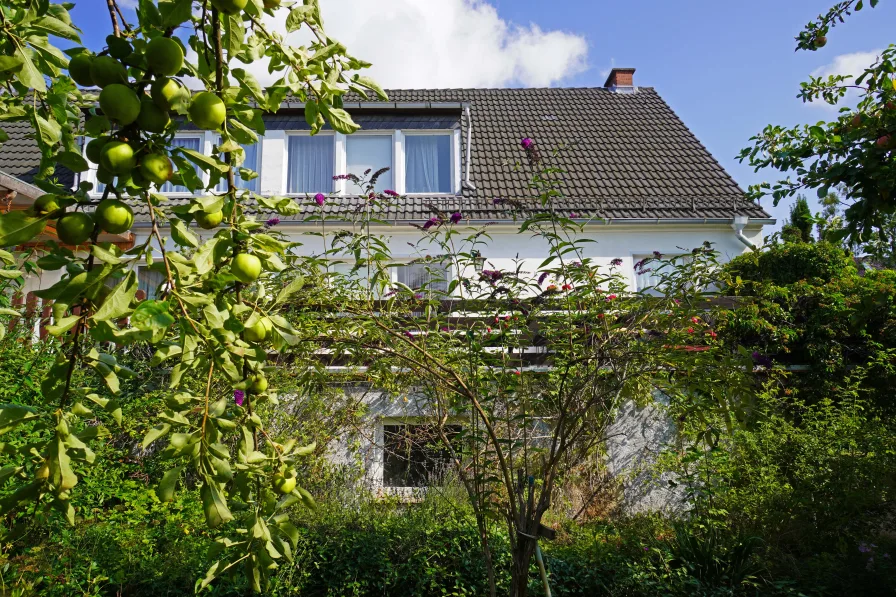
(20, 155)
(625, 155)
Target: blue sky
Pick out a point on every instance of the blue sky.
(727, 68)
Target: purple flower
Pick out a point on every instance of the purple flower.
(272, 222)
(456, 217)
(418, 296)
(408, 334)
(499, 201)
(542, 277)
(657, 255)
(444, 329)
(864, 548)
(762, 360)
(320, 199)
(526, 142)
(238, 397)
(431, 222)
(573, 215)
(390, 192)
(616, 262)
(491, 275)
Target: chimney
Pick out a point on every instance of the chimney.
(621, 80)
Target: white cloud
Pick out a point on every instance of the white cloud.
(447, 43)
(846, 64)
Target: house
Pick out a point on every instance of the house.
(635, 176)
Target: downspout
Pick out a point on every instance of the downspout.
(740, 222)
(468, 148)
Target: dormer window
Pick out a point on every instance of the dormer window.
(428, 163)
(370, 152)
(310, 164)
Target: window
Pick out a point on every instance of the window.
(370, 152)
(650, 278)
(431, 277)
(427, 161)
(414, 456)
(310, 164)
(194, 143)
(250, 162)
(149, 281)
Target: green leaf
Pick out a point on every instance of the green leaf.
(297, 16)
(340, 120)
(11, 274)
(13, 415)
(250, 84)
(167, 485)
(105, 252)
(17, 227)
(73, 161)
(372, 85)
(290, 289)
(183, 235)
(56, 27)
(311, 112)
(49, 130)
(151, 315)
(305, 450)
(155, 433)
(10, 63)
(63, 325)
(29, 75)
(175, 12)
(10, 312)
(203, 161)
(118, 302)
(214, 505)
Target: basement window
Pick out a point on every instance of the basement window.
(414, 455)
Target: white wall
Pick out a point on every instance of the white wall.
(507, 246)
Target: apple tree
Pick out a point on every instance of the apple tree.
(855, 153)
(215, 321)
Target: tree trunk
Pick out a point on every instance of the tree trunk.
(519, 572)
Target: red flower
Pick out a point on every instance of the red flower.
(567, 287)
(690, 330)
(695, 319)
(517, 372)
(712, 334)
(600, 315)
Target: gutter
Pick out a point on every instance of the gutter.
(739, 223)
(469, 148)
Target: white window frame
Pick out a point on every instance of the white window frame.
(353, 190)
(377, 468)
(636, 257)
(284, 175)
(454, 150)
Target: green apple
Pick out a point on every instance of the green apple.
(152, 118)
(46, 205)
(118, 157)
(258, 331)
(157, 168)
(207, 111)
(74, 228)
(95, 148)
(114, 216)
(245, 267)
(284, 484)
(230, 7)
(168, 94)
(105, 70)
(164, 56)
(259, 384)
(209, 221)
(79, 69)
(120, 103)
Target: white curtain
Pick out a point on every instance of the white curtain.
(149, 281)
(310, 168)
(250, 163)
(427, 163)
(432, 277)
(370, 152)
(189, 143)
